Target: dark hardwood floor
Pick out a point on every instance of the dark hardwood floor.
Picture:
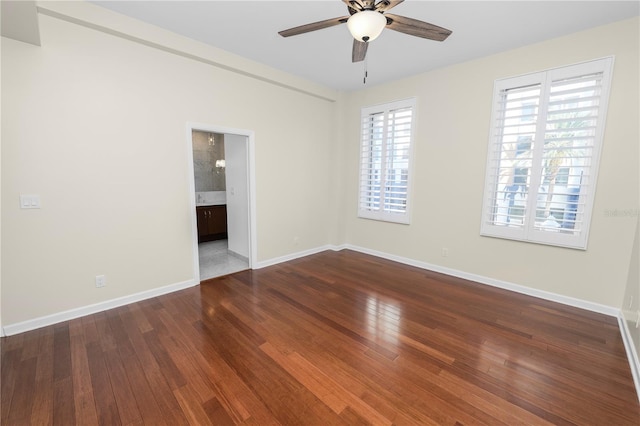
(333, 338)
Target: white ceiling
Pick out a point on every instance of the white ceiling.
(480, 28)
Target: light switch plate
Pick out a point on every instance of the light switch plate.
(29, 201)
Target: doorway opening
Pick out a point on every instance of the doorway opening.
(221, 187)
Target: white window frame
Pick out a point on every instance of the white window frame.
(529, 232)
(380, 213)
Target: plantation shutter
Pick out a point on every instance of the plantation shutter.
(512, 154)
(385, 154)
(544, 149)
(569, 141)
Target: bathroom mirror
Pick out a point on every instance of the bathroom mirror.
(208, 161)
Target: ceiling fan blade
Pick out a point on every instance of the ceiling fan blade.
(384, 5)
(416, 28)
(359, 51)
(313, 27)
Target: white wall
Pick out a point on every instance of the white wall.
(237, 160)
(94, 123)
(452, 128)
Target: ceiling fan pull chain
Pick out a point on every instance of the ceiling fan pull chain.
(364, 80)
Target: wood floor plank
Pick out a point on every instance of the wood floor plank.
(63, 404)
(106, 406)
(240, 403)
(85, 407)
(150, 411)
(338, 338)
(61, 352)
(338, 327)
(31, 344)
(257, 371)
(9, 369)
(198, 382)
(322, 387)
(171, 372)
(22, 401)
(161, 391)
(89, 329)
(141, 320)
(104, 334)
(191, 406)
(187, 351)
(216, 413)
(165, 398)
(511, 391)
(125, 399)
(382, 379)
(153, 376)
(42, 410)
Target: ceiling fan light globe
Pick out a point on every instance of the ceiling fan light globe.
(366, 24)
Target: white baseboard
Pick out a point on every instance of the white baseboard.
(238, 256)
(632, 354)
(32, 324)
(12, 329)
(292, 256)
(98, 307)
(565, 300)
(44, 321)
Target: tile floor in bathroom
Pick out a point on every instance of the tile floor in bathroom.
(215, 260)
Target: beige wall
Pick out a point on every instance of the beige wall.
(95, 124)
(631, 304)
(452, 128)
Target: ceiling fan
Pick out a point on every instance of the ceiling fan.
(366, 21)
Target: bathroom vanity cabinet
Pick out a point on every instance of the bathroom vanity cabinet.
(212, 222)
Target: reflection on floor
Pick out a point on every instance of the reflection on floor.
(215, 260)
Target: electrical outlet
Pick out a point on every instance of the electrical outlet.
(296, 240)
(445, 252)
(101, 281)
(630, 302)
(638, 320)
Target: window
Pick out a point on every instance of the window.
(544, 147)
(386, 136)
